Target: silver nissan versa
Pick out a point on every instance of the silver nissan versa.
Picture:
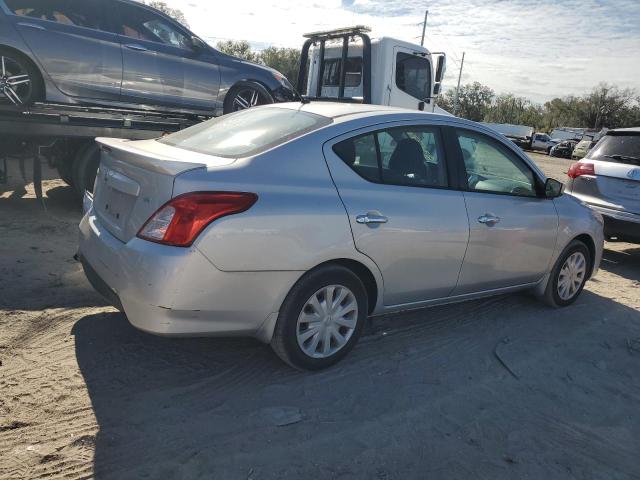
(608, 180)
(294, 222)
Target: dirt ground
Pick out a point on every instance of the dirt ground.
(500, 388)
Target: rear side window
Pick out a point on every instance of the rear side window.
(408, 156)
(143, 24)
(247, 132)
(80, 13)
(413, 75)
(620, 147)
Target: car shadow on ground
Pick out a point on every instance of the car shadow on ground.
(497, 388)
(625, 263)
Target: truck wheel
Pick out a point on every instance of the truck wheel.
(65, 172)
(85, 167)
(246, 95)
(20, 81)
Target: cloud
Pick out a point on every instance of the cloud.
(540, 49)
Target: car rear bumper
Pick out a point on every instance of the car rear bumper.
(176, 291)
(617, 223)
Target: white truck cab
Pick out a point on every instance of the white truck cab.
(382, 71)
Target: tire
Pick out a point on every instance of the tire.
(85, 167)
(20, 81)
(549, 151)
(290, 327)
(65, 172)
(246, 93)
(552, 296)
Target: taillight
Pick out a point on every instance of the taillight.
(580, 168)
(179, 221)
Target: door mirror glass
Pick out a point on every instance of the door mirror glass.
(440, 69)
(436, 89)
(553, 188)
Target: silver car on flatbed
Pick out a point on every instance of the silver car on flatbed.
(608, 180)
(293, 223)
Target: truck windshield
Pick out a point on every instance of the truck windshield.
(619, 147)
(413, 75)
(247, 132)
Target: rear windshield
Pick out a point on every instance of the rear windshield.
(247, 132)
(618, 147)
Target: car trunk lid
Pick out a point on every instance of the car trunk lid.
(136, 178)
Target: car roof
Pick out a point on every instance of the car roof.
(341, 112)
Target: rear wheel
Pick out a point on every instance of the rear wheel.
(321, 319)
(246, 95)
(569, 275)
(20, 82)
(85, 167)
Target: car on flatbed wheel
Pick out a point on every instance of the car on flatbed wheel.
(121, 53)
(294, 222)
(608, 180)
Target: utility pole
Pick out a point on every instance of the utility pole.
(424, 27)
(455, 103)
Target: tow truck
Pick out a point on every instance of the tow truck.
(347, 65)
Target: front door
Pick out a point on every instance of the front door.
(394, 184)
(70, 39)
(161, 66)
(410, 82)
(512, 229)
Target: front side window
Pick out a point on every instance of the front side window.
(410, 156)
(492, 168)
(142, 24)
(247, 132)
(79, 13)
(413, 75)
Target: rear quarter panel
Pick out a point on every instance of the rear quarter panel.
(297, 223)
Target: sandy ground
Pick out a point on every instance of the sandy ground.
(495, 389)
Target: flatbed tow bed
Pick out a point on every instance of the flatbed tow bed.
(64, 135)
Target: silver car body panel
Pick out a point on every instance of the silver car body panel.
(235, 276)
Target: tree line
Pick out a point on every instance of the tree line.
(604, 106)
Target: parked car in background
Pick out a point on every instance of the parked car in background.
(122, 53)
(564, 149)
(542, 142)
(294, 222)
(608, 180)
(521, 135)
(582, 148)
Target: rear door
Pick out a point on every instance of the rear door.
(410, 79)
(616, 184)
(513, 231)
(70, 39)
(161, 65)
(394, 183)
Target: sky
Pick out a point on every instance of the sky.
(539, 50)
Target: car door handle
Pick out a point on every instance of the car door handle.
(31, 25)
(135, 46)
(371, 218)
(488, 219)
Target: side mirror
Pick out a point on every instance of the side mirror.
(436, 88)
(440, 68)
(553, 188)
(197, 44)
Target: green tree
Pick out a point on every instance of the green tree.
(238, 48)
(473, 101)
(284, 60)
(174, 13)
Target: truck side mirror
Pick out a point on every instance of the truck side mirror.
(436, 89)
(197, 44)
(440, 68)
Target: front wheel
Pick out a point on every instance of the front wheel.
(321, 319)
(569, 275)
(246, 95)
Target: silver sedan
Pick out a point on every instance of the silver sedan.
(293, 223)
